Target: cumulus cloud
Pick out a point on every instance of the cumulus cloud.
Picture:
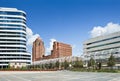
(30, 36)
(109, 28)
(48, 50)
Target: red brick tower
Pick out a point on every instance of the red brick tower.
(38, 50)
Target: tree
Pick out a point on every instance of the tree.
(99, 65)
(91, 63)
(78, 64)
(62, 65)
(9, 66)
(111, 61)
(66, 64)
(43, 66)
(57, 64)
(51, 65)
(46, 66)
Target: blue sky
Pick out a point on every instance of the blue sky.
(68, 21)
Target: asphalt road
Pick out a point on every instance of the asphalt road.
(58, 76)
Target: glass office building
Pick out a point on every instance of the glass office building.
(101, 47)
(13, 37)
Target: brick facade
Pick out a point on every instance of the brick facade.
(38, 50)
(59, 50)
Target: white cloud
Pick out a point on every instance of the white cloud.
(48, 50)
(109, 28)
(29, 32)
(30, 36)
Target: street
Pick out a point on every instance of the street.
(57, 76)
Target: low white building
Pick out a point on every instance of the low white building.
(101, 47)
(62, 59)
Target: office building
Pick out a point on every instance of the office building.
(61, 50)
(101, 47)
(38, 50)
(13, 38)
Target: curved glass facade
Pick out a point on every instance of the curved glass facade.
(13, 37)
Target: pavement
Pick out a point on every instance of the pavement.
(57, 76)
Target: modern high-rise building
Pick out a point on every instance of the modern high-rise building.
(13, 38)
(101, 47)
(61, 50)
(38, 50)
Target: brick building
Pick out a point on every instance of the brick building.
(38, 50)
(61, 50)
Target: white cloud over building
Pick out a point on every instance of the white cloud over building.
(31, 37)
(48, 50)
(109, 28)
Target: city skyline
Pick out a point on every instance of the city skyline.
(69, 21)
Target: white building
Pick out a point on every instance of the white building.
(62, 59)
(101, 47)
(13, 37)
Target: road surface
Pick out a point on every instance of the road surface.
(58, 76)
